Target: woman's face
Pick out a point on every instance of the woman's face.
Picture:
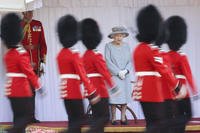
(118, 38)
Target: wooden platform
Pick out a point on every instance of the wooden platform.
(139, 127)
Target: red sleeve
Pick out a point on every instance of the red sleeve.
(157, 60)
(27, 69)
(188, 74)
(43, 46)
(100, 64)
(78, 65)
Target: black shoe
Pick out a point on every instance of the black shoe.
(114, 123)
(35, 121)
(124, 122)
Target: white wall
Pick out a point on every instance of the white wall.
(108, 13)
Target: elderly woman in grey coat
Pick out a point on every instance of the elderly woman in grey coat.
(118, 59)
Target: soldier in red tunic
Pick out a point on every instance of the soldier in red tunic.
(177, 29)
(169, 96)
(97, 72)
(150, 69)
(72, 74)
(19, 73)
(35, 44)
(34, 40)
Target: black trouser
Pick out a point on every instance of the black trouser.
(33, 97)
(75, 112)
(155, 117)
(22, 113)
(184, 113)
(100, 116)
(171, 110)
(33, 103)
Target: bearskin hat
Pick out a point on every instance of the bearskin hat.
(148, 22)
(11, 30)
(177, 32)
(67, 29)
(163, 35)
(90, 33)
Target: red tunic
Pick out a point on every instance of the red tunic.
(20, 73)
(167, 92)
(149, 69)
(72, 73)
(97, 71)
(181, 69)
(34, 42)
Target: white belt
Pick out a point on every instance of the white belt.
(148, 73)
(94, 75)
(70, 76)
(16, 75)
(180, 76)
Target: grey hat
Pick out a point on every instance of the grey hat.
(118, 30)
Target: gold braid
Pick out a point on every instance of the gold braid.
(27, 29)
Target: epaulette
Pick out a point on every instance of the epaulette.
(21, 50)
(37, 28)
(96, 51)
(162, 50)
(74, 50)
(158, 59)
(153, 46)
(181, 53)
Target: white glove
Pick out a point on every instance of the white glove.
(125, 71)
(182, 93)
(122, 74)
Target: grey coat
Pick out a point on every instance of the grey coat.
(119, 58)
